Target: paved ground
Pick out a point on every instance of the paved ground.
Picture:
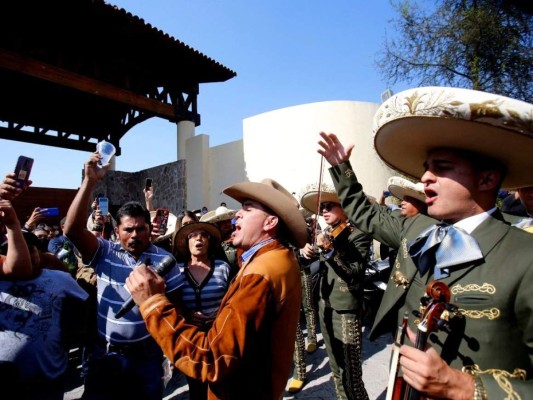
(376, 356)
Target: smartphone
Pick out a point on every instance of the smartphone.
(386, 193)
(22, 170)
(103, 204)
(50, 212)
(148, 183)
(161, 219)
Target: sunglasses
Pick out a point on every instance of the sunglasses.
(328, 206)
(202, 234)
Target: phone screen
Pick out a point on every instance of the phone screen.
(161, 219)
(103, 203)
(148, 183)
(23, 169)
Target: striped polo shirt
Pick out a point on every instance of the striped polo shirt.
(113, 265)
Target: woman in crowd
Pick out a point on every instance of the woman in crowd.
(206, 280)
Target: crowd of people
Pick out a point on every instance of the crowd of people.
(222, 296)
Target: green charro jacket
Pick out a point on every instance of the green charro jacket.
(494, 295)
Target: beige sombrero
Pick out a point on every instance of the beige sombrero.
(411, 123)
(171, 226)
(309, 200)
(278, 199)
(220, 214)
(401, 187)
(180, 237)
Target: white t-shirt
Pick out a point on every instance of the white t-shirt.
(30, 323)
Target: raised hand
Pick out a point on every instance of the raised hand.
(9, 189)
(92, 170)
(333, 150)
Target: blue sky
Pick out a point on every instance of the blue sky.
(285, 53)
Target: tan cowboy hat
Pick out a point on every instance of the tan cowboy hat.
(220, 214)
(309, 200)
(278, 199)
(180, 240)
(401, 187)
(171, 226)
(411, 123)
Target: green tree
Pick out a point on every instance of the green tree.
(478, 44)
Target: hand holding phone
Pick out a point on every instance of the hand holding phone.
(161, 220)
(23, 170)
(148, 184)
(49, 212)
(103, 204)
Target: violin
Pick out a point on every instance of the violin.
(435, 314)
(334, 233)
(344, 228)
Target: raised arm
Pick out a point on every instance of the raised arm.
(76, 223)
(9, 189)
(149, 198)
(34, 218)
(333, 150)
(17, 263)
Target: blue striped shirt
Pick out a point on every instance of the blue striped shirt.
(252, 250)
(113, 265)
(207, 296)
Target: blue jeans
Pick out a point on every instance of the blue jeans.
(125, 372)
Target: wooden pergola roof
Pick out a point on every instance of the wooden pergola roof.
(74, 72)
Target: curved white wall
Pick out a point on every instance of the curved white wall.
(282, 144)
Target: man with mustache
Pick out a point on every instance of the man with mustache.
(125, 361)
(247, 352)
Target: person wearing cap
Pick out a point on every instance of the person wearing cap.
(248, 350)
(222, 218)
(343, 260)
(463, 145)
(206, 281)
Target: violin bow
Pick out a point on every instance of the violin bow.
(317, 213)
(395, 357)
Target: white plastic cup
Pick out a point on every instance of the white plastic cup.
(106, 151)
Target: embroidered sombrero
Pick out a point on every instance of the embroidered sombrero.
(220, 214)
(411, 123)
(309, 200)
(401, 187)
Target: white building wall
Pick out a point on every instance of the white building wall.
(282, 144)
(197, 171)
(227, 168)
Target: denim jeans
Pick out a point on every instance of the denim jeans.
(132, 372)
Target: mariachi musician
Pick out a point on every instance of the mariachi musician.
(344, 254)
(463, 145)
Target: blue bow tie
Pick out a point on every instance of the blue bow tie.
(524, 223)
(442, 246)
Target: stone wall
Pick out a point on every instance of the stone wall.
(169, 185)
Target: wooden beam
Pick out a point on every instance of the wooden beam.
(29, 66)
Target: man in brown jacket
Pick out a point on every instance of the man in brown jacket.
(248, 351)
